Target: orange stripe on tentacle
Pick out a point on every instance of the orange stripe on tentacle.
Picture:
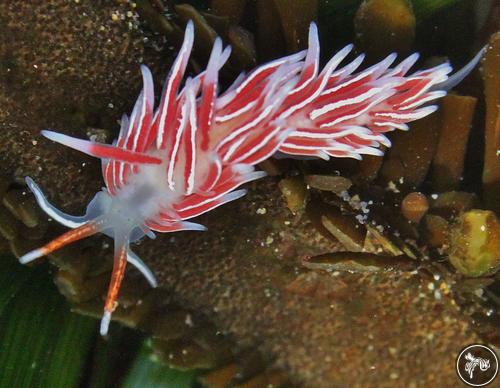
(86, 230)
(119, 266)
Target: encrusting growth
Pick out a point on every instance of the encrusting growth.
(190, 155)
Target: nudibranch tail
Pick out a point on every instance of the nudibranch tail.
(458, 76)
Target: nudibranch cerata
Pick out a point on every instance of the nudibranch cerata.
(189, 155)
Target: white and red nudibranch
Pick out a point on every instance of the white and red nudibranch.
(190, 154)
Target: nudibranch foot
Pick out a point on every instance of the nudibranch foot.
(85, 226)
(74, 222)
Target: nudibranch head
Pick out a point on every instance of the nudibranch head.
(191, 154)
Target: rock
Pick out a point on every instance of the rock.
(335, 184)
(475, 243)
(295, 193)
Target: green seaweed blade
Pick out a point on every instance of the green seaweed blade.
(42, 344)
(426, 8)
(147, 372)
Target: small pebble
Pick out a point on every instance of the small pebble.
(261, 210)
(414, 206)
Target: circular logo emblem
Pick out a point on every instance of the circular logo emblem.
(477, 365)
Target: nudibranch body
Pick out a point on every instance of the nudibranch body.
(191, 154)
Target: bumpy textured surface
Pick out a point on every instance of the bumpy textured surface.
(66, 65)
(325, 330)
(49, 57)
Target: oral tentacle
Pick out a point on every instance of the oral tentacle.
(54, 213)
(88, 229)
(119, 266)
(136, 261)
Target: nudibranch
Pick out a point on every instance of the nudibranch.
(189, 155)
